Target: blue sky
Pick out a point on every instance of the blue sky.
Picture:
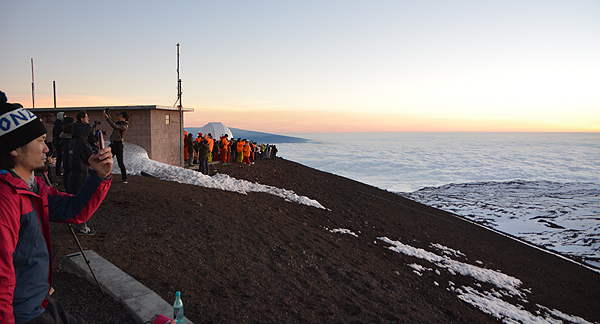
(316, 66)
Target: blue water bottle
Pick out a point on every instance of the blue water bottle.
(178, 308)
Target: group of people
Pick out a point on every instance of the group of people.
(205, 149)
(29, 202)
(74, 142)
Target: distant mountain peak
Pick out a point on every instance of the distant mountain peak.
(258, 137)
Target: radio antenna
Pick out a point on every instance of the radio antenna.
(179, 92)
(54, 89)
(32, 87)
(180, 112)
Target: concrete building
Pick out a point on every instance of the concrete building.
(155, 128)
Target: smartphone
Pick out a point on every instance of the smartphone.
(101, 140)
(106, 111)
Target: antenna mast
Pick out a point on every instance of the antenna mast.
(32, 88)
(178, 80)
(180, 112)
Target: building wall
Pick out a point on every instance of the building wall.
(148, 129)
(165, 137)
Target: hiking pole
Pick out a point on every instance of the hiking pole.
(78, 244)
(85, 258)
(47, 180)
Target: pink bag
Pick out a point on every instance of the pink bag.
(161, 319)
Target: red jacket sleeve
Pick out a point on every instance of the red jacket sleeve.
(9, 235)
(78, 208)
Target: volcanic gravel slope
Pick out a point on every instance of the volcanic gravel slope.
(257, 258)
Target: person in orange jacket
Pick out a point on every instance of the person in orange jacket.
(211, 144)
(240, 149)
(247, 150)
(223, 148)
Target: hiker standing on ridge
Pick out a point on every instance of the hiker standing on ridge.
(247, 151)
(116, 139)
(233, 155)
(189, 141)
(63, 146)
(56, 130)
(240, 150)
(211, 143)
(197, 141)
(78, 155)
(274, 152)
(223, 148)
(27, 205)
(203, 151)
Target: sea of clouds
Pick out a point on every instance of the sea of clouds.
(541, 187)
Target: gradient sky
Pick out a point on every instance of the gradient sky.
(316, 66)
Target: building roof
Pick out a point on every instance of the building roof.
(115, 108)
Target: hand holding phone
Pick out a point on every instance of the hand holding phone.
(101, 140)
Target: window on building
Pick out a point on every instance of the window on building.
(168, 119)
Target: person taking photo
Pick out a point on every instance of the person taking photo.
(119, 126)
(27, 205)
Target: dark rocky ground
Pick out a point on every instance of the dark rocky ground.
(258, 259)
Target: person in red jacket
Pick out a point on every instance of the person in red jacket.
(27, 205)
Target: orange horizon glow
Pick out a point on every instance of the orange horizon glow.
(333, 122)
(316, 121)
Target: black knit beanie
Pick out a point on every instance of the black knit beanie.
(18, 126)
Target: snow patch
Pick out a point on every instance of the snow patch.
(137, 162)
(343, 231)
(491, 302)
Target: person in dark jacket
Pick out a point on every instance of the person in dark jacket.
(274, 152)
(189, 141)
(56, 130)
(27, 205)
(63, 146)
(203, 151)
(80, 151)
(233, 154)
(116, 139)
